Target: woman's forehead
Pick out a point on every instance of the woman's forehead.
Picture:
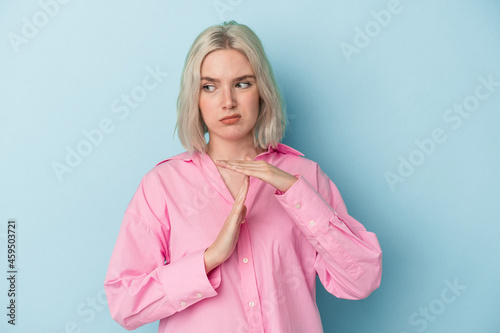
(226, 63)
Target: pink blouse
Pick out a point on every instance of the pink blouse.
(157, 269)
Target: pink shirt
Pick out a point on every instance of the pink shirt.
(157, 269)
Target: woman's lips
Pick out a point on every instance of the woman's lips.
(232, 120)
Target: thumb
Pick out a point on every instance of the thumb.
(247, 158)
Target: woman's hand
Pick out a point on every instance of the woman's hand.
(266, 172)
(224, 245)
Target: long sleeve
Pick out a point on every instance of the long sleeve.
(349, 258)
(141, 284)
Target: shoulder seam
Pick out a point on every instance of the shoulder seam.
(181, 156)
(141, 221)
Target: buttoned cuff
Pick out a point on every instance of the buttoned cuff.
(303, 202)
(313, 216)
(193, 284)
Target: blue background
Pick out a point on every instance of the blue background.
(357, 113)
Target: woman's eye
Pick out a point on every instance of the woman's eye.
(244, 85)
(208, 87)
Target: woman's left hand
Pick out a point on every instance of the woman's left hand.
(266, 172)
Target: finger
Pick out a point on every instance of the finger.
(238, 162)
(239, 167)
(245, 166)
(243, 214)
(234, 163)
(243, 169)
(244, 187)
(242, 194)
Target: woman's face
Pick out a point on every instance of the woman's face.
(228, 89)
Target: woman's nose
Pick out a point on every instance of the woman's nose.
(228, 98)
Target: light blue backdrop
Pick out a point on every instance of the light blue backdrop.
(398, 101)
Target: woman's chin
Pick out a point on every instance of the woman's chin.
(235, 136)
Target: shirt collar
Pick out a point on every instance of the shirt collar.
(284, 149)
(280, 148)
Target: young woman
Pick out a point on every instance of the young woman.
(229, 235)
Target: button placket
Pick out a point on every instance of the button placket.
(253, 311)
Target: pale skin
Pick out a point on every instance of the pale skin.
(229, 87)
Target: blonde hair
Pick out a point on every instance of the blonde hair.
(270, 126)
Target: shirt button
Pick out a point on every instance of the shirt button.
(199, 295)
(297, 205)
(311, 223)
(245, 260)
(183, 304)
(251, 304)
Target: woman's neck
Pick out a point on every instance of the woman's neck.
(224, 150)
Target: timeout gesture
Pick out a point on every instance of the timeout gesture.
(266, 172)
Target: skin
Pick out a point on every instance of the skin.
(228, 87)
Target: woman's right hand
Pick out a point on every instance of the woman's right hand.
(224, 245)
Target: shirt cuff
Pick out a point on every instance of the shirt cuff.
(192, 284)
(313, 215)
(307, 207)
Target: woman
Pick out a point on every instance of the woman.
(229, 235)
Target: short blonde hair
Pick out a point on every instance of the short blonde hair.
(270, 126)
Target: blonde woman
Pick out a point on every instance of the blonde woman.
(229, 235)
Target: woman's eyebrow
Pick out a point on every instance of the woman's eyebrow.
(208, 78)
(244, 77)
(239, 78)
